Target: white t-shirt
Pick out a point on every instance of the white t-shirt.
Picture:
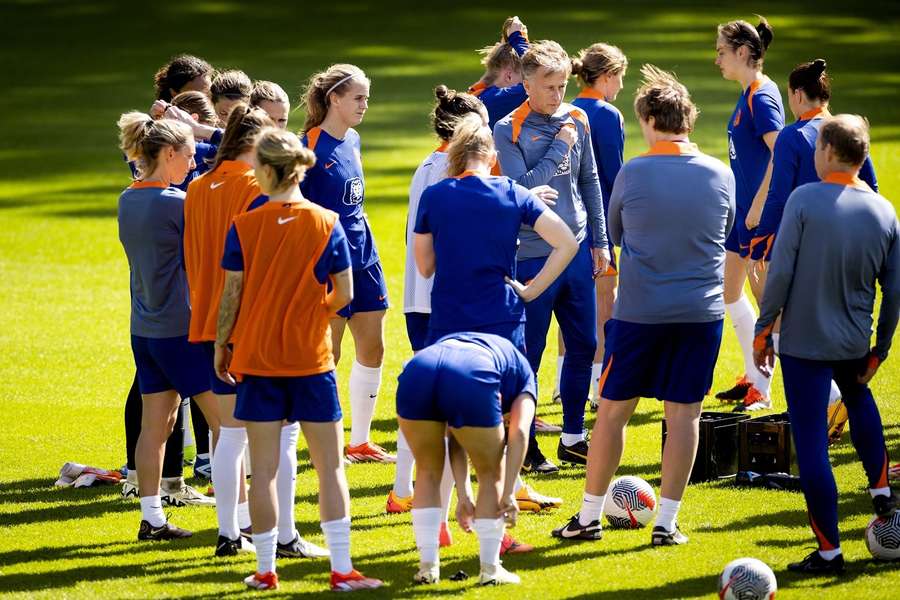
(417, 289)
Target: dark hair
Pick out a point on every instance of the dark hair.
(664, 98)
(812, 79)
(848, 136)
(244, 124)
(196, 103)
(232, 84)
(451, 105)
(177, 73)
(757, 39)
(596, 60)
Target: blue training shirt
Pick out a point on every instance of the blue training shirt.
(759, 111)
(607, 138)
(500, 101)
(516, 376)
(475, 223)
(794, 165)
(336, 183)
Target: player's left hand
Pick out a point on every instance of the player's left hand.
(509, 509)
(872, 364)
(465, 512)
(520, 289)
(221, 362)
(546, 193)
(601, 260)
(753, 216)
(158, 109)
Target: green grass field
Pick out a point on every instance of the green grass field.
(72, 67)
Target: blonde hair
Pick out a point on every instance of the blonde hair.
(547, 54)
(197, 103)
(597, 60)
(471, 138)
(335, 79)
(141, 139)
(664, 98)
(848, 136)
(498, 57)
(283, 152)
(267, 91)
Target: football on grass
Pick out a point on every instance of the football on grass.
(630, 503)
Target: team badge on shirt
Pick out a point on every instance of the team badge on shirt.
(564, 168)
(732, 152)
(353, 191)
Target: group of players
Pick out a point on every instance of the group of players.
(242, 287)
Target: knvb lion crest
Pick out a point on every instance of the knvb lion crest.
(353, 191)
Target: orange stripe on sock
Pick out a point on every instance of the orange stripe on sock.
(824, 544)
(605, 374)
(883, 479)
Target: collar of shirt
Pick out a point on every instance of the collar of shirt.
(848, 179)
(819, 111)
(137, 185)
(590, 93)
(673, 148)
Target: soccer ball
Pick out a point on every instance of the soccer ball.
(630, 503)
(883, 537)
(747, 579)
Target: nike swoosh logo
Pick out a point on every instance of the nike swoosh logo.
(569, 533)
(283, 221)
(535, 138)
(329, 165)
(213, 186)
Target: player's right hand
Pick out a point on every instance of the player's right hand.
(520, 289)
(513, 24)
(509, 509)
(546, 193)
(568, 134)
(221, 362)
(465, 512)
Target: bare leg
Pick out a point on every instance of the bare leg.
(683, 434)
(157, 420)
(607, 443)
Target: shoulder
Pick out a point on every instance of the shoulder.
(172, 194)
(578, 114)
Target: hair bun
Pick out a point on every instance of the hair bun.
(441, 92)
(766, 34)
(577, 66)
(819, 65)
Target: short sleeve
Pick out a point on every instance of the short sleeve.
(767, 113)
(233, 259)
(422, 225)
(530, 206)
(336, 256)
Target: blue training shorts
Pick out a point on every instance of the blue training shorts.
(461, 388)
(216, 385)
(170, 364)
(739, 239)
(369, 292)
(417, 329)
(667, 361)
(312, 398)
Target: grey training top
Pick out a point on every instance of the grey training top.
(834, 242)
(671, 214)
(530, 154)
(151, 226)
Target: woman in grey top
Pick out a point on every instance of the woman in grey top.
(151, 225)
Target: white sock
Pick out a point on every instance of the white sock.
(830, 554)
(403, 475)
(132, 477)
(885, 491)
(596, 370)
(559, 366)
(743, 318)
(203, 456)
(337, 536)
(285, 482)
(171, 484)
(447, 483)
(835, 394)
(490, 536)
(668, 512)
(767, 381)
(570, 439)
(152, 512)
(427, 528)
(364, 384)
(188, 425)
(591, 509)
(518, 485)
(226, 475)
(243, 515)
(265, 550)
(776, 342)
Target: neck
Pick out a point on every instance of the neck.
(334, 126)
(479, 166)
(246, 157)
(538, 110)
(597, 87)
(660, 136)
(748, 77)
(291, 193)
(158, 175)
(805, 107)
